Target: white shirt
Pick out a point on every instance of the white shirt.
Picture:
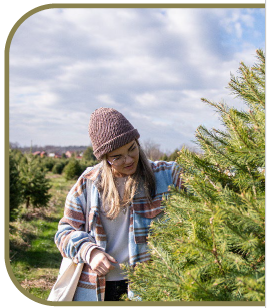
(117, 234)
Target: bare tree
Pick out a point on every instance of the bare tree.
(152, 150)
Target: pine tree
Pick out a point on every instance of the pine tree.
(73, 169)
(58, 167)
(15, 188)
(35, 186)
(211, 244)
(88, 154)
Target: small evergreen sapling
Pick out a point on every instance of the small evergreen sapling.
(15, 188)
(211, 244)
(35, 186)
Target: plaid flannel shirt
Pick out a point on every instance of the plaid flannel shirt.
(74, 243)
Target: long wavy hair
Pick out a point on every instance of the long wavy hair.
(143, 178)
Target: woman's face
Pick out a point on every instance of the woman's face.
(124, 160)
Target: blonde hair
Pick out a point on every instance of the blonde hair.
(142, 178)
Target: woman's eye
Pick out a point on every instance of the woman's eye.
(117, 158)
(132, 149)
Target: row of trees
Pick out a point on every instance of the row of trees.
(28, 182)
(211, 247)
(153, 151)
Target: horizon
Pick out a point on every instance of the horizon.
(152, 65)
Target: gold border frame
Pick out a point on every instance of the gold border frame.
(6, 142)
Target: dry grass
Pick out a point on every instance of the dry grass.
(34, 257)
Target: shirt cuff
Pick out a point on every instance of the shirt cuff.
(88, 254)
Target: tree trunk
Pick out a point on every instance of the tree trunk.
(27, 202)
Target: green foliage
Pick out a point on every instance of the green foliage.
(27, 182)
(88, 154)
(48, 163)
(164, 157)
(211, 244)
(15, 188)
(73, 169)
(85, 164)
(58, 167)
(35, 186)
(34, 257)
(174, 155)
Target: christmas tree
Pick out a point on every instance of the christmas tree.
(210, 245)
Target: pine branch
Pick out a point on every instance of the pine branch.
(248, 76)
(200, 285)
(199, 136)
(214, 231)
(214, 250)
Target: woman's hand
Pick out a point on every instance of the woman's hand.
(101, 262)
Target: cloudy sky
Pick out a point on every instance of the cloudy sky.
(153, 65)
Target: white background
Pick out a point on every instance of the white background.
(11, 12)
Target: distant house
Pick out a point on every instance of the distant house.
(43, 154)
(54, 155)
(69, 154)
(39, 153)
(57, 155)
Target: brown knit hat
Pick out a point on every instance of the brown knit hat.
(109, 130)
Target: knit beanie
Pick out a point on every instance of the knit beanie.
(109, 130)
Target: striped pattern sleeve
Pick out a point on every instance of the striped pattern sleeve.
(177, 175)
(71, 239)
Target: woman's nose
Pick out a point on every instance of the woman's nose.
(128, 159)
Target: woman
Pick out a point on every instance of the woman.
(125, 193)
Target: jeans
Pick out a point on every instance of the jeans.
(115, 289)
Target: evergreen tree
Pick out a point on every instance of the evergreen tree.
(35, 186)
(73, 169)
(48, 163)
(88, 154)
(211, 244)
(58, 167)
(174, 155)
(15, 188)
(164, 157)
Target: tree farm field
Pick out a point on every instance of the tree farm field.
(34, 257)
(38, 189)
(211, 247)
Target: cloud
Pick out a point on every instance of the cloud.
(153, 65)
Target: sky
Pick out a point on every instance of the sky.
(152, 65)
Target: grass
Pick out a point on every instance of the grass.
(34, 257)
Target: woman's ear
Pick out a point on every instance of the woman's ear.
(104, 160)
